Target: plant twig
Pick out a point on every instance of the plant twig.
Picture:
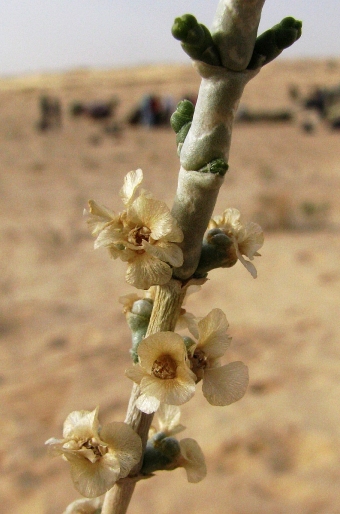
(209, 137)
(167, 306)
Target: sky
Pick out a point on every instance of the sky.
(38, 36)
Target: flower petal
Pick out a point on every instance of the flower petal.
(125, 444)
(98, 217)
(81, 424)
(128, 300)
(94, 479)
(101, 211)
(84, 506)
(174, 391)
(189, 321)
(168, 419)
(230, 219)
(162, 343)
(250, 239)
(146, 271)
(213, 337)
(155, 215)
(194, 462)
(131, 182)
(226, 384)
(55, 446)
(168, 252)
(136, 373)
(147, 404)
(111, 234)
(247, 264)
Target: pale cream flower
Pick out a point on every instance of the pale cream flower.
(163, 373)
(247, 238)
(144, 235)
(190, 456)
(98, 457)
(84, 506)
(222, 385)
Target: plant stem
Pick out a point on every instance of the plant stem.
(234, 31)
(118, 498)
(208, 138)
(193, 206)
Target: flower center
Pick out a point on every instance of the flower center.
(138, 235)
(164, 367)
(98, 449)
(199, 362)
(199, 359)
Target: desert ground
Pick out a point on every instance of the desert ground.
(64, 339)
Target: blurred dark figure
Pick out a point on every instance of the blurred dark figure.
(152, 111)
(326, 103)
(50, 113)
(98, 110)
(244, 114)
(317, 101)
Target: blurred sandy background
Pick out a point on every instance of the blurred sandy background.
(63, 336)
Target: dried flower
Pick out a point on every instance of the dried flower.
(247, 238)
(144, 235)
(98, 457)
(222, 385)
(162, 373)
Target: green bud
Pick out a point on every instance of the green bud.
(196, 39)
(217, 252)
(182, 134)
(218, 166)
(138, 320)
(143, 308)
(183, 114)
(160, 453)
(272, 42)
(189, 343)
(186, 28)
(288, 31)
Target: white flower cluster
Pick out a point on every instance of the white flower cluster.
(98, 456)
(167, 371)
(247, 237)
(144, 235)
(167, 366)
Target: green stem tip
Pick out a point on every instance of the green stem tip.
(272, 42)
(196, 39)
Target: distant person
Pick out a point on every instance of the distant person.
(50, 113)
